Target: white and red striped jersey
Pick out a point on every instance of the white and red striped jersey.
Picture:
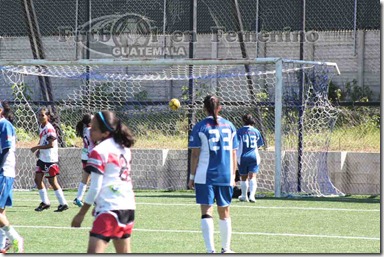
(46, 133)
(113, 162)
(88, 144)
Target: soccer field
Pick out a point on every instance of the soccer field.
(169, 222)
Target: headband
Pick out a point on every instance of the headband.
(105, 123)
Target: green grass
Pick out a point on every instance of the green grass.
(169, 222)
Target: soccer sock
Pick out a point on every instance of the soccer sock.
(3, 237)
(81, 191)
(207, 228)
(252, 188)
(244, 188)
(225, 233)
(44, 196)
(60, 196)
(10, 232)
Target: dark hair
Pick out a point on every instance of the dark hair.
(86, 121)
(54, 122)
(248, 119)
(120, 132)
(212, 104)
(7, 112)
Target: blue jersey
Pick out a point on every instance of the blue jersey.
(249, 141)
(216, 143)
(8, 140)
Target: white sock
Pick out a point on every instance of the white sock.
(60, 196)
(225, 233)
(11, 233)
(244, 188)
(44, 196)
(81, 191)
(3, 237)
(207, 228)
(252, 188)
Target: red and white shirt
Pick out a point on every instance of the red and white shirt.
(88, 144)
(113, 163)
(46, 133)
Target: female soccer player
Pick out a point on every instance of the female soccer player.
(111, 187)
(248, 157)
(47, 153)
(83, 129)
(7, 176)
(213, 164)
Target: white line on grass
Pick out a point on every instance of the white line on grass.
(194, 231)
(247, 205)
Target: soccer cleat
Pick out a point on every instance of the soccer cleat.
(252, 200)
(43, 207)
(7, 246)
(18, 245)
(62, 207)
(78, 202)
(226, 251)
(243, 199)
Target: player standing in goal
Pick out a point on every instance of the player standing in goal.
(111, 188)
(47, 153)
(248, 157)
(83, 129)
(213, 164)
(7, 177)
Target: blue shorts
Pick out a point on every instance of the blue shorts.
(6, 189)
(207, 194)
(248, 168)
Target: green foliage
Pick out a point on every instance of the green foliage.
(353, 92)
(69, 135)
(21, 91)
(25, 136)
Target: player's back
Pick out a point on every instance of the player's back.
(113, 162)
(216, 143)
(250, 140)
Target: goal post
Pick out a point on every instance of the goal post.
(139, 91)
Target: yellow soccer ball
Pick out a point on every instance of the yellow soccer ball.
(174, 104)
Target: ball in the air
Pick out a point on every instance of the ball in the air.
(174, 104)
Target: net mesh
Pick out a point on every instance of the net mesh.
(160, 157)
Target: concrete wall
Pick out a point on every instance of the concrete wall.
(350, 172)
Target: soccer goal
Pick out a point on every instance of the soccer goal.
(289, 99)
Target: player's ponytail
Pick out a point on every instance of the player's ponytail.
(85, 121)
(120, 132)
(212, 104)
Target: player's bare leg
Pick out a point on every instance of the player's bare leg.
(96, 245)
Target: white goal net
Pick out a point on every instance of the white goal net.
(288, 98)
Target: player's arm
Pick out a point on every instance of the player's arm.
(5, 143)
(234, 163)
(93, 192)
(195, 153)
(47, 146)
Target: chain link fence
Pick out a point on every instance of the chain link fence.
(346, 32)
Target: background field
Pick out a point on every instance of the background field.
(169, 222)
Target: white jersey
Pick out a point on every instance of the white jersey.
(88, 144)
(113, 162)
(8, 140)
(51, 154)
